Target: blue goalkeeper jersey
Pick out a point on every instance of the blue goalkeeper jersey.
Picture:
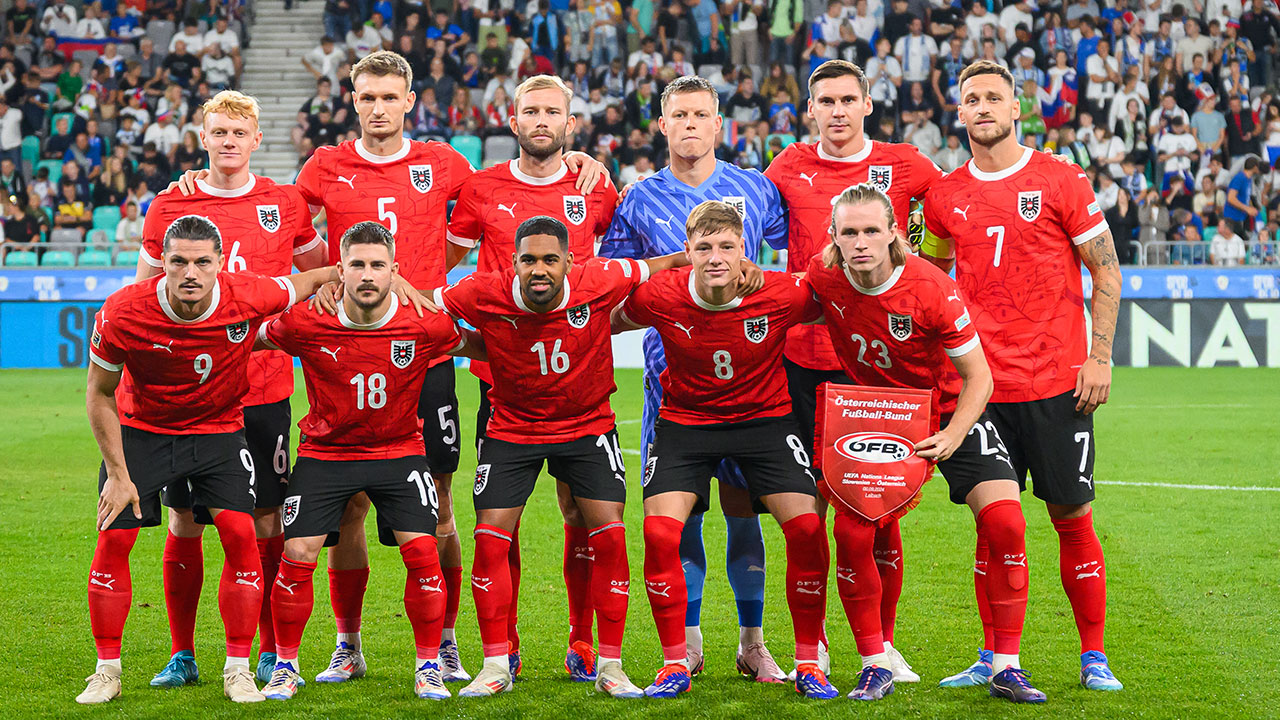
(650, 222)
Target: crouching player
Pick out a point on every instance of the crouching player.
(898, 321)
(725, 397)
(184, 340)
(363, 369)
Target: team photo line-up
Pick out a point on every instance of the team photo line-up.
(191, 374)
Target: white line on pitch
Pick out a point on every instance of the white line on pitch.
(1180, 406)
(628, 422)
(1245, 488)
(629, 451)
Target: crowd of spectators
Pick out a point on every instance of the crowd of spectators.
(100, 109)
(1168, 105)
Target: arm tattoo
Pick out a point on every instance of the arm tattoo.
(1099, 255)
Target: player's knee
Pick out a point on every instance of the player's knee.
(419, 552)
(1067, 512)
(662, 535)
(183, 523)
(1002, 523)
(304, 550)
(267, 522)
(446, 527)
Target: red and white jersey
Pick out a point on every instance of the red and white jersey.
(185, 376)
(494, 202)
(263, 226)
(363, 381)
(1015, 234)
(408, 192)
(810, 180)
(899, 334)
(552, 371)
(724, 362)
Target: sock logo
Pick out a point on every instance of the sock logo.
(481, 583)
(287, 587)
(659, 588)
(425, 584)
(108, 585)
(845, 574)
(482, 478)
(893, 564)
(620, 587)
(582, 553)
(1083, 571)
(241, 579)
(1018, 560)
(809, 587)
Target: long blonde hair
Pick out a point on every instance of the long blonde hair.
(857, 195)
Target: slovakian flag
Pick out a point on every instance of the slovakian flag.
(1058, 112)
(866, 439)
(69, 45)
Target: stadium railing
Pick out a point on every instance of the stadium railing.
(1196, 252)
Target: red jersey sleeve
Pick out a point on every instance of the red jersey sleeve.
(281, 332)
(153, 229)
(459, 169)
(305, 237)
(308, 182)
(104, 348)
(465, 224)
(607, 196)
(935, 214)
(805, 308)
(270, 295)
(922, 171)
(637, 308)
(954, 327)
(459, 299)
(1082, 216)
(443, 334)
(623, 275)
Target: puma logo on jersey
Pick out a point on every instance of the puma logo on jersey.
(688, 331)
(481, 585)
(166, 347)
(666, 222)
(331, 353)
(955, 295)
(962, 213)
(808, 178)
(254, 584)
(108, 585)
(508, 210)
(349, 181)
(509, 319)
(838, 309)
(287, 587)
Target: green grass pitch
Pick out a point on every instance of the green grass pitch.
(1194, 617)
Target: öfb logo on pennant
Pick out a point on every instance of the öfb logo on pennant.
(866, 448)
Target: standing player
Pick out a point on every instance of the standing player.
(1018, 225)
(810, 178)
(182, 339)
(362, 434)
(491, 205)
(546, 324)
(271, 231)
(724, 396)
(897, 321)
(650, 222)
(406, 186)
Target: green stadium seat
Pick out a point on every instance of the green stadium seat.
(94, 258)
(106, 218)
(127, 258)
(31, 149)
(58, 258)
(20, 258)
(55, 170)
(470, 147)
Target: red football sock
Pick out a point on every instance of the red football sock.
(291, 603)
(424, 599)
(664, 583)
(1084, 577)
(859, 583)
(491, 587)
(980, 557)
(1002, 524)
(183, 579)
(453, 594)
(269, 552)
(110, 590)
(240, 588)
(610, 585)
(577, 580)
(806, 582)
(888, 553)
(346, 597)
(513, 563)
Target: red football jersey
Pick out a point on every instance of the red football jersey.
(724, 362)
(363, 381)
(186, 377)
(900, 334)
(263, 226)
(552, 371)
(1014, 234)
(494, 202)
(810, 180)
(407, 191)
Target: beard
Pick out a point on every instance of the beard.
(360, 302)
(540, 297)
(528, 147)
(998, 135)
